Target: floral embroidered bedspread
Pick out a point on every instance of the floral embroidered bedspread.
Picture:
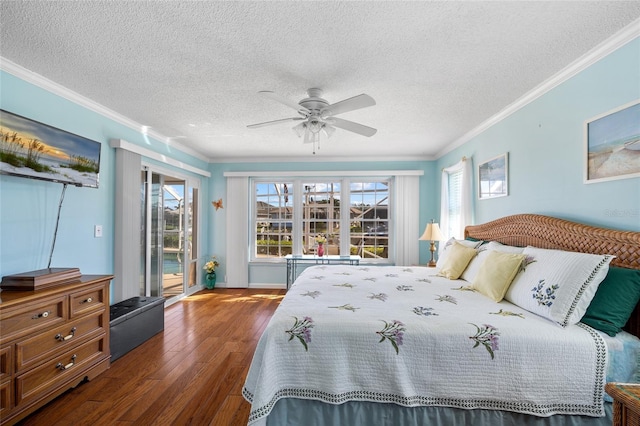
(403, 335)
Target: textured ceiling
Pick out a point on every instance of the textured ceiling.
(190, 71)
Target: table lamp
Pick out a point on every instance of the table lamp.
(432, 233)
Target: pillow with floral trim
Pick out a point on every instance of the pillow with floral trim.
(446, 248)
(558, 285)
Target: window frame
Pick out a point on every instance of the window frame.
(298, 183)
(255, 220)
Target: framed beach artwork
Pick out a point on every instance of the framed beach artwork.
(36, 150)
(493, 177)
(612, 144)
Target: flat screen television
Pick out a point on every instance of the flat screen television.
(35, 150)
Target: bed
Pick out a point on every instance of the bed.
(413, 345)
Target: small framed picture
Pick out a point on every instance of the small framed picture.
(612, 144)
(493, 177)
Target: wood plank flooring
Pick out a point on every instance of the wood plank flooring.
(190, 374)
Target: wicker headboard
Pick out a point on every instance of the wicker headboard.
(552, 233)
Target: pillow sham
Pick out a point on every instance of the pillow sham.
(494, 245)
(446, 249)
(457, 260)
(471, 272)
(558, 285)
(613, 303)
(496, 273)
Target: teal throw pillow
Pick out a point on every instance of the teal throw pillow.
(613, 303)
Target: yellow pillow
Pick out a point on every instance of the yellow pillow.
(457, 260)
(496, 274)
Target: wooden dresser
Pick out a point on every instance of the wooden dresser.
(626, 403)
(51, 340)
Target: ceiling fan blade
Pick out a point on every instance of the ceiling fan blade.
(273, 96)
(357, 102)
(352, 127)
(269, 123)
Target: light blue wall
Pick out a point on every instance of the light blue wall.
(545, 141)
(28, 208)
(263, 273)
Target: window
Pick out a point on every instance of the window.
(288, 215)
(455, 201)
(369, 219)
(273, 219)
(321, 215)
(455, 204)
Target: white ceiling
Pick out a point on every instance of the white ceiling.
(190, 71)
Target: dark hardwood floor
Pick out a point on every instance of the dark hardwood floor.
(190, 374)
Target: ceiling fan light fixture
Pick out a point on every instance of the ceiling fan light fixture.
(328, 130)
(318, 116)
(315, 125)
(300, 128)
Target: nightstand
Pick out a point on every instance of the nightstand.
(626, 403)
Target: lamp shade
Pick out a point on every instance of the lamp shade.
(432, 233)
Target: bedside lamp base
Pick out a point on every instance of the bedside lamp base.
(432, 262)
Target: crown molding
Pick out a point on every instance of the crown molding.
(321, 173)
(613, 43)
(59, 90)
(318, 159)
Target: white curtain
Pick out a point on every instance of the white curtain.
(406, 220)
(237, 213)
(128, 207)
(456, 207)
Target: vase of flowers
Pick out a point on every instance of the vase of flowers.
(320, 240)
(210, 276)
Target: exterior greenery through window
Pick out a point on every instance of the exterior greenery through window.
(317, 206)
(273, 216)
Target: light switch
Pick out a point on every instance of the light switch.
(97, 231)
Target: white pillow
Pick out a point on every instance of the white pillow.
(494, 245)
(558, 285)
(471, 272)
(446, 249)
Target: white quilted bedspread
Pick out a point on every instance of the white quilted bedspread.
(404, 336)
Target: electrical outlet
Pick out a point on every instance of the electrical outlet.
(97, 231)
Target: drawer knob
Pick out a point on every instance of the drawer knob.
(41, 315)
(62, 338)
(62, 367)
(87, 300)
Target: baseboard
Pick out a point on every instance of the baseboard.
(268, 286)
(259, 286)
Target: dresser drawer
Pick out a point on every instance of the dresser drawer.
(88, 300)
(52, 374)
(33, 317)
(30, 351)
(6, 362)
(6, 399)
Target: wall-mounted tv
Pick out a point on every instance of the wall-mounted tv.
(38, 151)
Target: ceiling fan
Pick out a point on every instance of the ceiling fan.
(318, 116)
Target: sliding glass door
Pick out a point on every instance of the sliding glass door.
(169, 229)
